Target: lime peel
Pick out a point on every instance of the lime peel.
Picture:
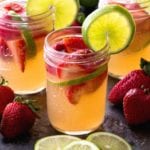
(104, 140)
(113, 21)
(80, 80)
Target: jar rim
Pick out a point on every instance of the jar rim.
(49, 51)
(25, 18)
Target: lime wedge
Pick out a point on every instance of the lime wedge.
(80, 80)
(81, 145)
(108, 141)
(57, 142)
(145, 4)
(65, 10)
(111, 25)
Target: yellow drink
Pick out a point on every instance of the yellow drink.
(76, 83)
(21, 47)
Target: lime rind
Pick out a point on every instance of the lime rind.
(105, 140)
(54, 142)
(65, 10)
(145, 4)
(80, 80)
(81, 145)
(112, 24)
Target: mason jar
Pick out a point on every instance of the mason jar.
(129, 59)
(76, 83)
(21, 46)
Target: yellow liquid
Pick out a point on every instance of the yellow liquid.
(83, 117)
(122, 63)
(32, 79)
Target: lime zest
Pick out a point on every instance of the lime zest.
(119, 28)
(80, 80)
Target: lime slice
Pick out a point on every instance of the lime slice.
(26, 34)
(54, 142)
(145, 4)
(65, 10)
(81, 145)
(108, 141)
(80, 80)
(111, 25)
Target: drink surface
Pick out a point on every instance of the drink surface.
(122, 63)
(21, 47)
(77, 107)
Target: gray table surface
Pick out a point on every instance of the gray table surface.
(138, 137)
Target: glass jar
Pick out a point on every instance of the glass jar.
(76, 84)
(128, 60)
(21, 46)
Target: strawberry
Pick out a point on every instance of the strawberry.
(134, 79)
(75, 23)
(17, 119)
(18, 50)
(4, 50)
(136, 104)
(72, 44)
(59, 46)
(74, 92)
(6, 95)
(14, 7)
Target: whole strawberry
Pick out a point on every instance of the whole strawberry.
(135, 79)
(6, 95)
(18, 118)
(136, 106)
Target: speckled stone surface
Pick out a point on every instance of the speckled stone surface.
(138, 137)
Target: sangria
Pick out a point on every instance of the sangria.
(21, 46)
(76, 82)
(122, 63)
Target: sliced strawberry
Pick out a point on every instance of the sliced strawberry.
(66, 70)
(15, 7)
(76, 23)
(59, 46)
(9, 33)
(18, 50)
(4, 50)
(74, 92)
(72, 44)
(93, 84)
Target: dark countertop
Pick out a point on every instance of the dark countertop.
(114, 122)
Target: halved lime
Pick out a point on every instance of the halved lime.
(111, 25)
(83, 79)
(108, 141)
(65, 10)
(145, 4)
(54, 142)
(81, 145)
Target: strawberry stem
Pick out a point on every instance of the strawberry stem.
(30, 103)
(145, 66)
(3, 81)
